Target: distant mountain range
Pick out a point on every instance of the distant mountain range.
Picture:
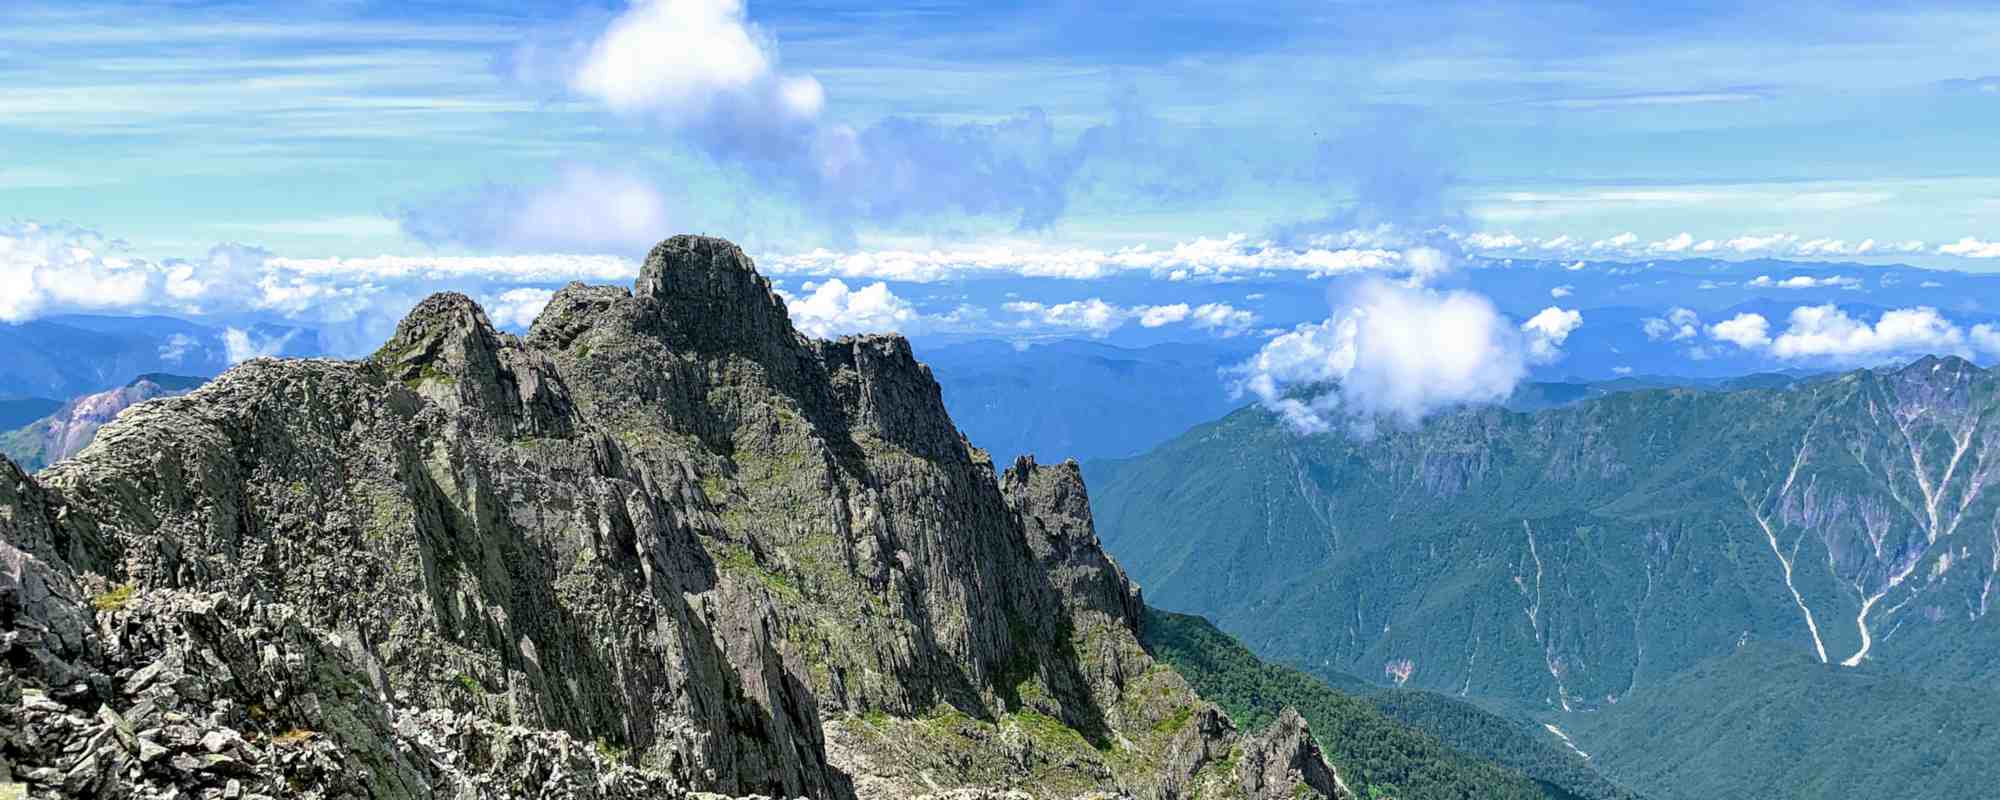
(60, 357)
(73, 425)
(1722, 563)
(1089, 400)
(1078, 399)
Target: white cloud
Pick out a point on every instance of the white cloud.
(1157, 316)
(1970, 247)
(1828, 332)
(1779, 245)
(1223, 318)
(1391, 350)
(1620, 242)
(1099, 318)
(1806, 282)
(683, 60)
(1490, 241)
(1985, 337)
(177, 347)
(832, 309)
(64, 267)
(581, 209)
(1747, 331)
(517, 308)
(1761, 244)
(519, 268)
(1203, 258)
(1675, 244)
(1562, 291)
(244, 345)
(50, 269)
(1678, 324)
(1546, 332)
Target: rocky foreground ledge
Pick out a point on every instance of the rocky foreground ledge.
(661, 546)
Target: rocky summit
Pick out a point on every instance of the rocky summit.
(661, 546)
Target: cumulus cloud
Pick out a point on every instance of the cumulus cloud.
(1678, 324)
(516, 308)
(1546, 332)
(53, 269)
(1970, 247)
(66, 267)
(1562, 291)
(686, 59)
(1747, 331)
(1985, 337)
(1159, 316)
(1828, 333)
(1098, 318)
(1620, 242)
(1806, 282)
(1396, 351)
(1676, 244)
(243, 345)
(704, 72)
(832, 309)
(1094, 316)
(1223, 318)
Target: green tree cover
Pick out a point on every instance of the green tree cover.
(1579, 564)
(1400, 743)
(1839, 732)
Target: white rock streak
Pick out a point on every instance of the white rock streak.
(1549, 656)
(1936, 521)
(1567, 742)
(1784, 561)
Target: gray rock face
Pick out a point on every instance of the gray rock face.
(1284, 761)
(661, 544)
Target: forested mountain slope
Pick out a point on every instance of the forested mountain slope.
(1573, 558)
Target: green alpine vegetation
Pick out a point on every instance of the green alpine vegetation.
(1584, 563)
(1389, 742)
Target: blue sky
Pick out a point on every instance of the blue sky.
(316, 130)
(986, 164)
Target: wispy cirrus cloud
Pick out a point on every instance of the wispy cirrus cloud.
(1686, 245)
(1653, 99)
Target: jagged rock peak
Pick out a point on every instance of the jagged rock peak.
(1934, 365)
(710, 294)
(1059, 488)
(447, 350)
(443, 321)
(1285, 758)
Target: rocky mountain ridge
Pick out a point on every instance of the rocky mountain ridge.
(661, 545)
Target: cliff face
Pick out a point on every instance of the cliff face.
(661, 544)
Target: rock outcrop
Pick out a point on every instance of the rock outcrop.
(662, 544)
